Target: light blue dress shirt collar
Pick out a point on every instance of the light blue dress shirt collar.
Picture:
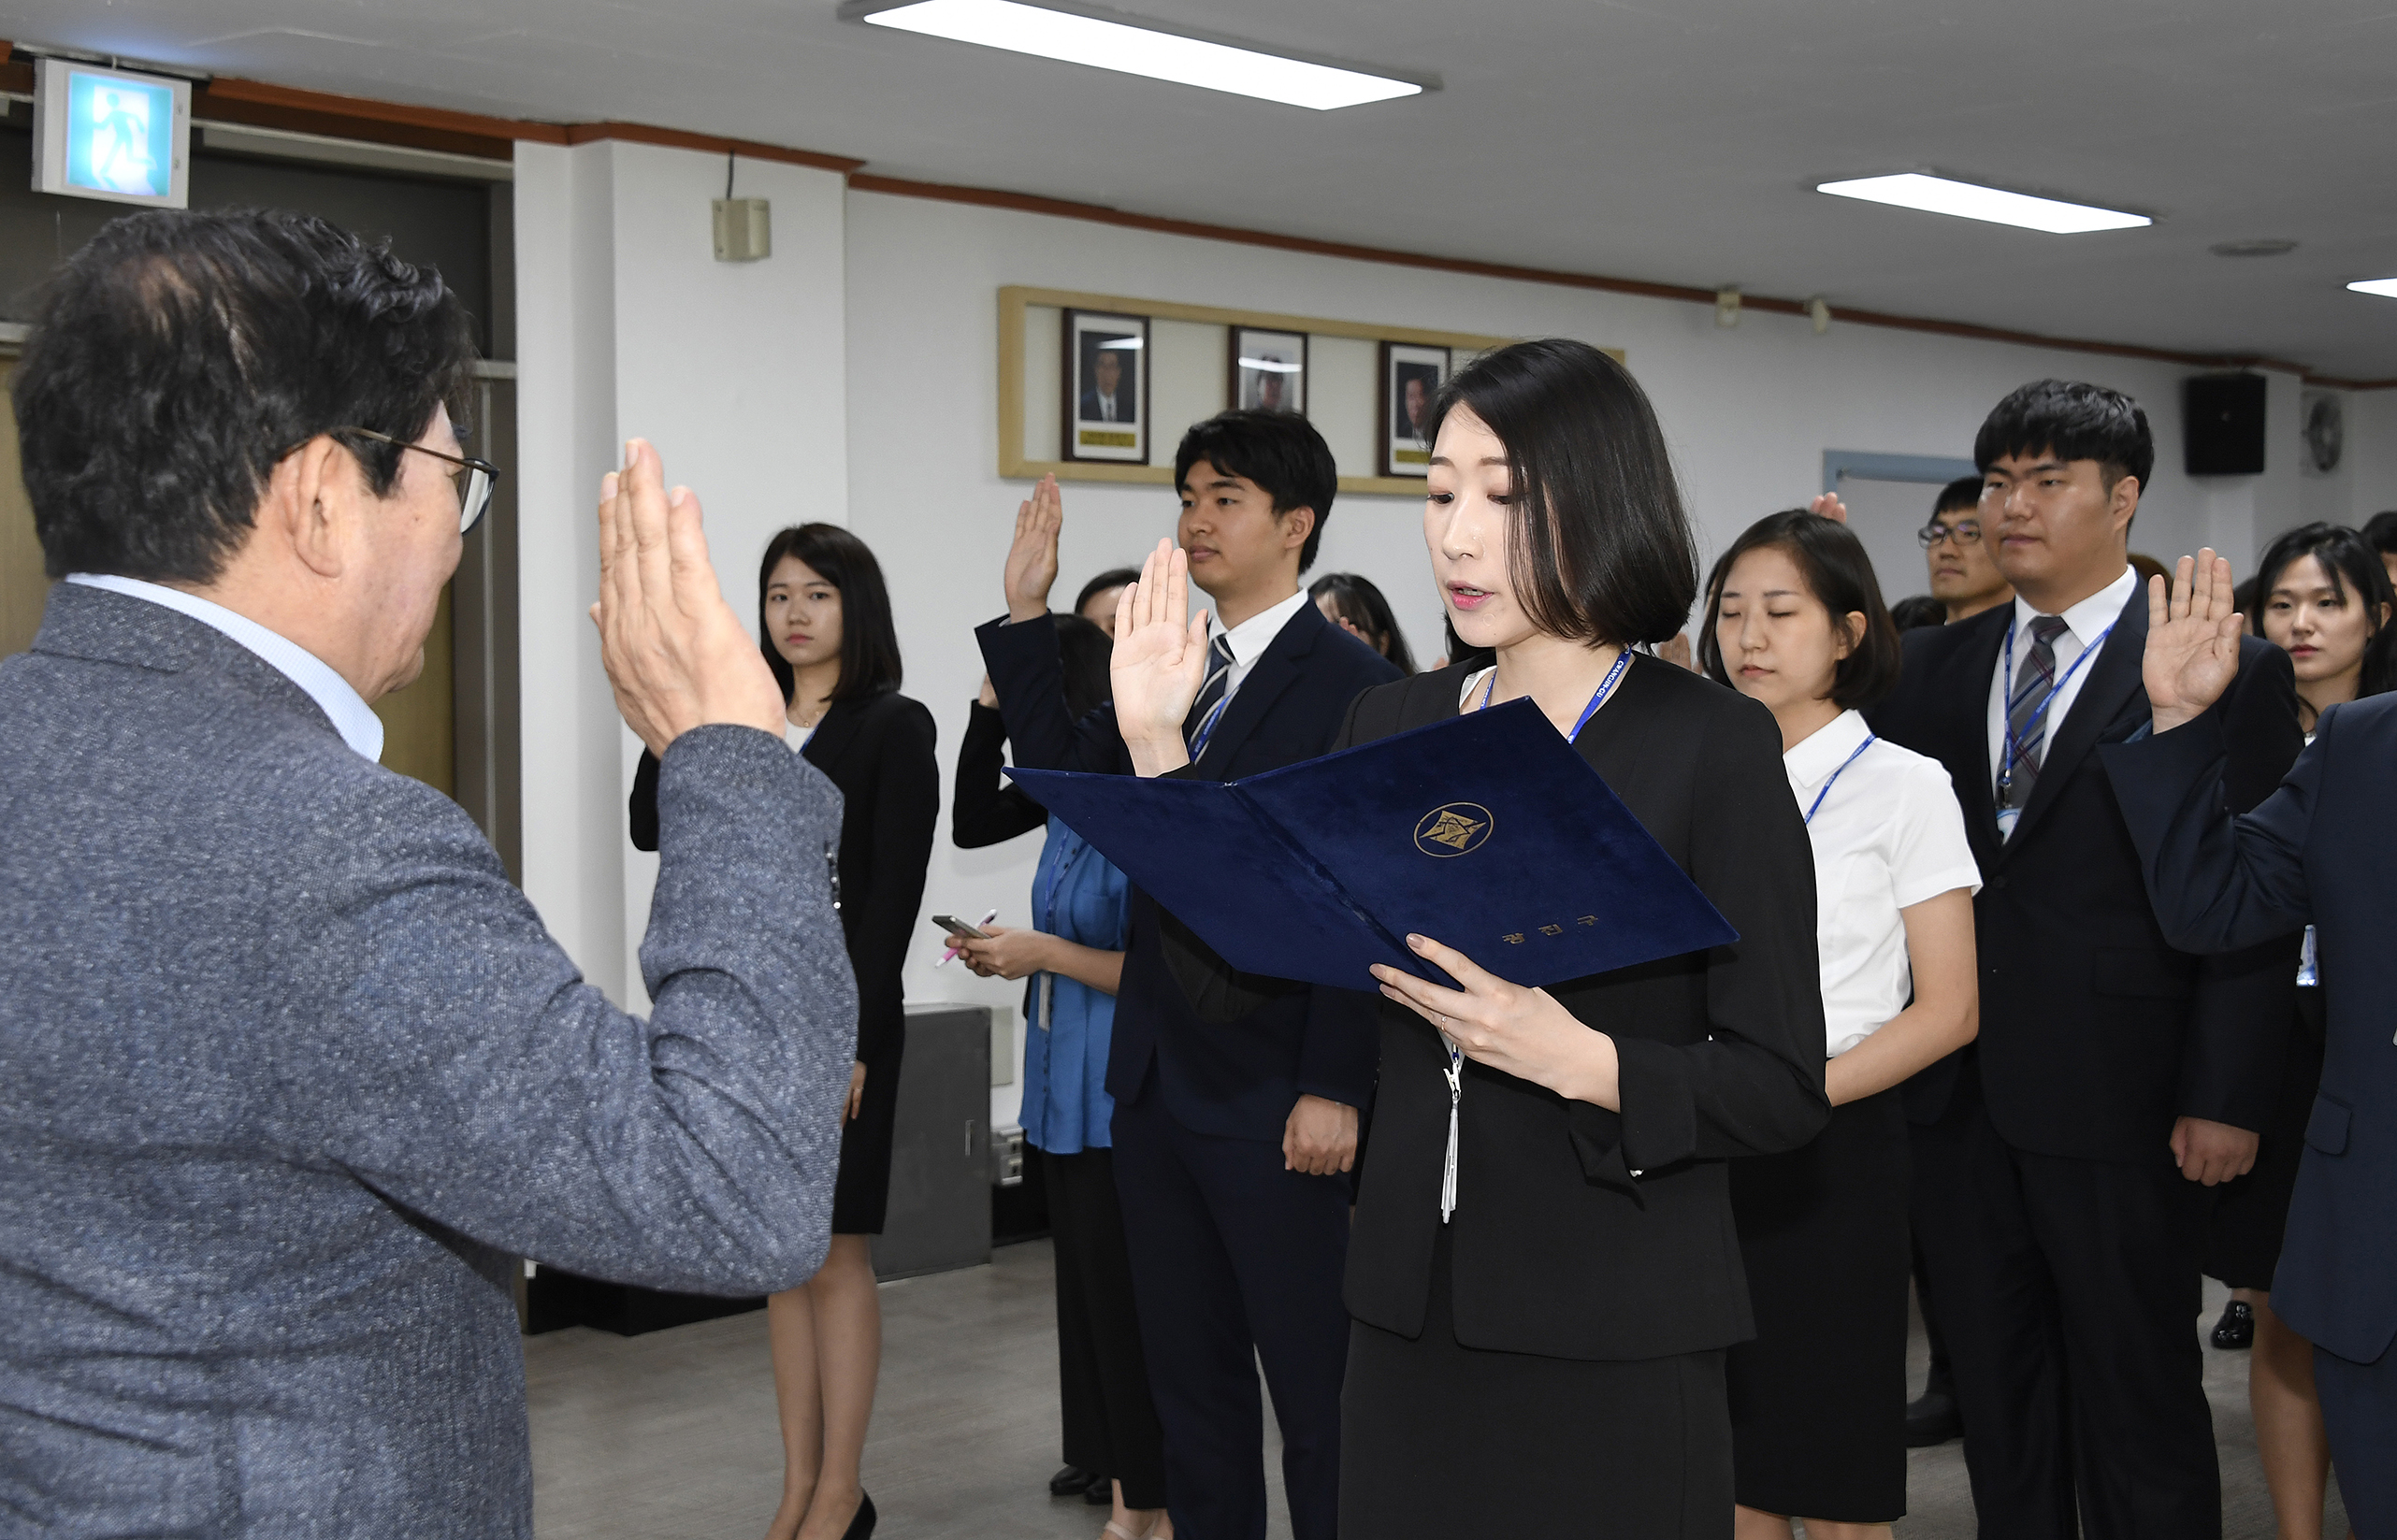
(351, 716)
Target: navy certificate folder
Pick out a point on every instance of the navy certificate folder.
(1489, 833)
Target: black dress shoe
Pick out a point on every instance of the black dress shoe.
(861, 1527)
(1931, 1417)
(2237, 1326)
(1100, 1493)
(1072, 1479)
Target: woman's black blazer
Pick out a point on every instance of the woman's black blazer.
(1578, 1233)
(879, 751)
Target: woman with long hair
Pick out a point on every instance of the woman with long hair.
(1544, 1355)
(1795, 620)
(2322, 596)
(825, 623)
(1350, 601)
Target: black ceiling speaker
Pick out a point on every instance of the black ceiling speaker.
(2222, 425)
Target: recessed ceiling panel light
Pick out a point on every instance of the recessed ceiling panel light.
(1136, 48)
(1964, 199)
(2385, 287)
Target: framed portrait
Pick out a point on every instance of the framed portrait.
(1411, 377)
(1107, 388)
(1268, 369)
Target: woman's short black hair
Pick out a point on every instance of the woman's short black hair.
(2073, 420)
(1601, 548)
(1361, 605)
(1917, 613)
(2380, 532)
(1086, 653)
(1841, 575)
(1114, 577)
(1280, 451)
(869, 639)
(2362, 578)
(179, 356)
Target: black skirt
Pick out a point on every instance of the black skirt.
(1818, 1400)
(1439, 1440)
(2243, 1231)
(861, 1190)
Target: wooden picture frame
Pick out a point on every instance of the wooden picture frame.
(1108, 404)
(1405, 452)
(1265, 369)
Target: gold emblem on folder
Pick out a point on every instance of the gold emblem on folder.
(1457, 828)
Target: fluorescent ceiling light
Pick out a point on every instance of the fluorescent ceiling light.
(2385, 287)
(1941, 195)
(1138, 49)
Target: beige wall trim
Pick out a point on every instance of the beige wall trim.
(1014, 298)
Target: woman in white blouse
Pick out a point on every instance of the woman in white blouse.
(1818, 1399)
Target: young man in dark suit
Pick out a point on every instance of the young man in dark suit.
(2317, 850)
(2115, 1078)
(1233, 1141)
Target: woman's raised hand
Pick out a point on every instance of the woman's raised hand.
(1031, 558)
(1160, 661)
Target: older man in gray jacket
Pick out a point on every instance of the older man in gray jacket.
(289, 1072)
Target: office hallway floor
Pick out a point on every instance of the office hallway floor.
(671, 1436)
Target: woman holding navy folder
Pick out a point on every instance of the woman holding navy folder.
(1818, 1399)
(1542, 1298)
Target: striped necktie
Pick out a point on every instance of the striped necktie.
(1200, 724)
(2026, 721)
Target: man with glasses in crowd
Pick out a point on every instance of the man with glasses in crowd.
(290, 1071)
(1964, 570)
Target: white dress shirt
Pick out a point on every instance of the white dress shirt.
(351, 716)
(1252, 636)
(1888, 835)
(2084, 624)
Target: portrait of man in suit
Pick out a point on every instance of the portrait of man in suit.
(1112, 394)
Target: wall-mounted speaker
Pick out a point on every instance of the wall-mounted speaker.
(2222, 425)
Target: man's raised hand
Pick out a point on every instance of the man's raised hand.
(676, 654)
(1032, 560)
(1160, 661)
(2192, 640)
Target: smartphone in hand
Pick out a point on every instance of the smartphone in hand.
(951, 926)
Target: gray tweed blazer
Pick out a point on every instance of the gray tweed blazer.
(290, 1072)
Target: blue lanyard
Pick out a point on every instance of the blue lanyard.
(1834, 780)
(2006, 704)
(1206, 727)
(1606, 688)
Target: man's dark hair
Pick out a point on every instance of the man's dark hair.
(1280, 451)
(869, 639)
(179, 356)
(2071, 421)
(1839, 573)
(1917, 613)
(1600, 548)
(2380, 532)
(1363, 606)
(2348, 560)
(1114, 577)
(1960, 493)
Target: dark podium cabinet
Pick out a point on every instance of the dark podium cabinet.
(940, 1158)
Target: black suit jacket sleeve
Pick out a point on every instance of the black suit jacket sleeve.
(906, 805)
(982, 810)
(2220, 881)
(1755, 1084)
(2230, 1068)
(644, 803)
(1029, 676)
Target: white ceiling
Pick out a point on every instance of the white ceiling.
(1674, 141)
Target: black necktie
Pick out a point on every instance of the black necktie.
(1219, 682)
(2027, 722)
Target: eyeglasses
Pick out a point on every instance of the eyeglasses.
(1963, 531)
(472, 478)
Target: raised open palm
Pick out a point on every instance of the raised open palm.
(2192, 640)
(1160, 660)
(1031, 558)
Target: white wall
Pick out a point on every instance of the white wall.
(627, 326)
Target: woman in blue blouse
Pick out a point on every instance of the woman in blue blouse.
(1072, 956)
